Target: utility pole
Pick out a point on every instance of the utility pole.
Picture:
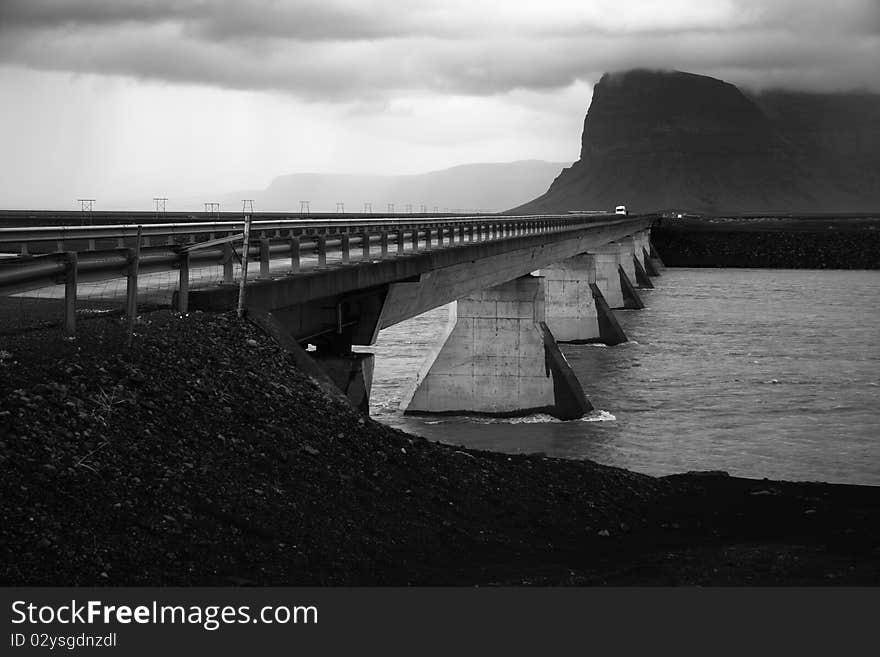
(409, 208)
(391, 208)
(340, 207)
(368, 208)
(160, 206)
(304, 207)
(248, 210)
(212, 209)
(86, 205)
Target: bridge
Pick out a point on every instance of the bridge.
(522, 284)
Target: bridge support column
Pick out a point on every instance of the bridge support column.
(576, 310)
(655, 258)
(634, 263)
(615, 273)
(605, 262)
(498, 358)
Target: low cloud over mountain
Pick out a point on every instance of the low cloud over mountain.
(658, 139)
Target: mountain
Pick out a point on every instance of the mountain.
(487, 187)
(654, 140)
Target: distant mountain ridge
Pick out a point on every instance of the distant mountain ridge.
(667, 139)
(488, 187)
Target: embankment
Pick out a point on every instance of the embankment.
(204, 455)
(780, 243)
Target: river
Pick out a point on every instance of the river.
(759, 372)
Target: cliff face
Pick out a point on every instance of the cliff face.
(655, 140)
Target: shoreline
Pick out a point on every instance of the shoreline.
(206, 456)
(817, 242)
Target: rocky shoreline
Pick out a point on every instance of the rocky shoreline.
(204, 455)
(780, 243)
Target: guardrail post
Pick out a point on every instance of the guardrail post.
(365, 245)
(264, 257)
(91, 245)
(183, 286)
(321, 248)
(24, 249)
(345, 247)
(384, 242)
(59, 246)
(70, 293)
(227, 262)
(132, 284)
(294, 254)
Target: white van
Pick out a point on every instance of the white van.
(620, 209)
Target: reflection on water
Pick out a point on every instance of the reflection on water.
(763, 373)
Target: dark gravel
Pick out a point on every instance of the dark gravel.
(780, 243)
(203, 455)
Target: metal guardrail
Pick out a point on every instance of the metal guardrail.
(297, 227)
(291, 238)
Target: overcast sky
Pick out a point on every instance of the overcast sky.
(118, 99)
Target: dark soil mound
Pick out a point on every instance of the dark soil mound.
(202, 455)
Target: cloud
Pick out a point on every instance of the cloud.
(367, 51)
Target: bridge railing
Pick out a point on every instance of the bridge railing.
(85, 254)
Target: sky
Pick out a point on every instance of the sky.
(123, 100)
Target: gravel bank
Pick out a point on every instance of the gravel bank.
(204, 455)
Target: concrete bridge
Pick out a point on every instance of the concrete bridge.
(521, 284)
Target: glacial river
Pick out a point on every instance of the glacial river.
(762, 373)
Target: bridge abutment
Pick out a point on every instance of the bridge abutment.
(497, 357)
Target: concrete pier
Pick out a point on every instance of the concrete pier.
(631, 298)
(626, 254)
(651, 266)
(497, 357)
(606, 261)
(642, 277)
(655, 258)
(352, 373)
(575, 308)
(615, 275)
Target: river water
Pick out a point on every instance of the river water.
(762, 373)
